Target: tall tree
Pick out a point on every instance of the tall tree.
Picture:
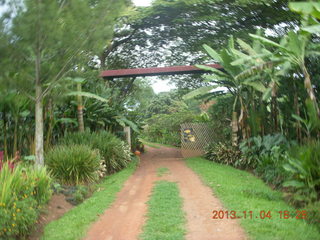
(49, 36)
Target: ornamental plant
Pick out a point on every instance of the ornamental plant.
(22, 192)
(73, 165)
(114, 152)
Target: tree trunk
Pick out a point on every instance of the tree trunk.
(39, 127)
(15, 134)
(274, 107)
(309, 88)
(50, 124)
(234, 125)
(274, 113)
(80, 109)
(5, 142)
(297, 110)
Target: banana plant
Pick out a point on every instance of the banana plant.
(293, 50)
(118, 118)
(312, 123)
(228, 79)
(261, 73)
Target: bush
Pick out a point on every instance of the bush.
(74, 164)
(304, 168)
(113, 151)
(256, 147)
(23, 191)
(165, 128)
(270, 169)
(220, 113)
(222, 153)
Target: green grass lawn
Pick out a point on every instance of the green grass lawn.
(74, 224)
(162, 171)
(241, 191)
(165, 218)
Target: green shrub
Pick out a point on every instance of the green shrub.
(75, 194)
(114, 152)
(220, 113)
(42, 185)
(270, 169)
(73, 164)
(254, 148)
(304, 168)
(22, 192)
(222, 153)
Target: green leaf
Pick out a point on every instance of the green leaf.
(212, 53)
(239, 53)
(199, 91)
(289, 168)
(314, 29)
(67, 120)
(211, 69)
(227, 59)
(296, 117)
(267, 94)
(267, 41)
(214, 78)
(88, 95)
(295, 44)
(294, 183)
(256, 85)
(255, 70)
(123, 121)
(301, 7)
(78, 80)
(246, 47)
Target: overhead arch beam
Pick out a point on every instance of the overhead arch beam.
(155, 71)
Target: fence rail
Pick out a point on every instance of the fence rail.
(194, 138)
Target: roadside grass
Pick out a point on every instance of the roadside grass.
(75, 223)
(165, 217)
(241, 191)
(156, 145)
(162, 171)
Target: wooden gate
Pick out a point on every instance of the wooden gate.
(194, 138)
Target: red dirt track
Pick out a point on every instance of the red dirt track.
(125, 218)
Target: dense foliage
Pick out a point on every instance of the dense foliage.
(303, 166)
(271, 104)
(165, 128)
(73, 164)
(114, 152)
(263, 105)
(22, 192)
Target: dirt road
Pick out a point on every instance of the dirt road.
(125, 218)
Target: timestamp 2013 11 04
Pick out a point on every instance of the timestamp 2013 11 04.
(263, 214)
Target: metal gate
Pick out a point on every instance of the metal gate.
(194, 138)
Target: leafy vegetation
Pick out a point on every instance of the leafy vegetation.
(114, 152)
(23, 192)
(222, 153)
(165, 128)
(263, 106)
(303, 166)
(241, 191)
(165, 218)
(271, 97)
(73, 164)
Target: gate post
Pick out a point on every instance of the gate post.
(127, 132)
